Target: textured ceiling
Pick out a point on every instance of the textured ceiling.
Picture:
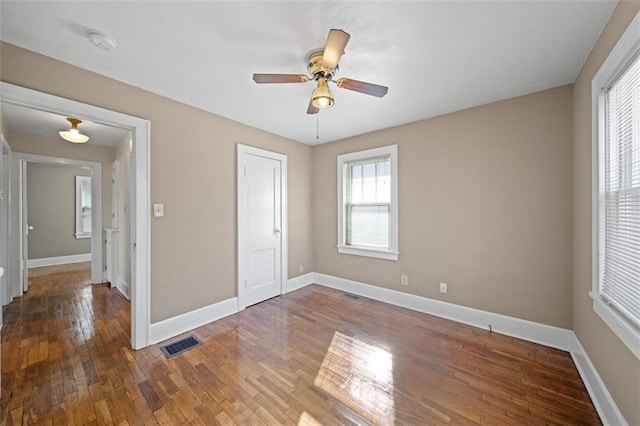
(436, 57)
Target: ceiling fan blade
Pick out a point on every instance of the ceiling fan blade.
(334, 48)
(312, 109)
(280, 78)
(362, 87)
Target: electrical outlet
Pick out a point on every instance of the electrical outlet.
(404, 279)
(443, 287)
(301, 268)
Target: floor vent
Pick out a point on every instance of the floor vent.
(176, 348)
(352, 296)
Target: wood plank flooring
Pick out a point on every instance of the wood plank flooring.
(310, 357)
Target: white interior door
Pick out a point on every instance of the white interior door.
(261, 237)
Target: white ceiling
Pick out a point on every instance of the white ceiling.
(21, 119)
(436, 57)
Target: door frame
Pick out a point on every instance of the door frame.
(140, 207)
(5, 188)
(242, 232)
(96, 200)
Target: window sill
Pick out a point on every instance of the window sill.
(82, 236)
(378, 254)
(627, 332)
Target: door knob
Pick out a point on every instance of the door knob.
(30, 227)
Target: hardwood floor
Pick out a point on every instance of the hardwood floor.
(314, 356)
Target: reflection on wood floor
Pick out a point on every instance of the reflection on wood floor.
(312, 356)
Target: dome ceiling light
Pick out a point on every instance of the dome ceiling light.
(73, 135)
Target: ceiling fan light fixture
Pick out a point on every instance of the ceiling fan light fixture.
(73, 135)
(321, 97)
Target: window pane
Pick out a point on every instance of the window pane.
(383, 187)
(368, 226)
(86, 222)
(86, 194)
(356, 184)
(620, 275)
(367, 202)
(369, 183)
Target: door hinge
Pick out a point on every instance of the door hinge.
(245, 283)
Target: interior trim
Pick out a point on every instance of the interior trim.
(555, 337)
(58, 260)
(602, 399)
(559, 338)
(171, 327)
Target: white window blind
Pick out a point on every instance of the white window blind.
(620, 200)
(368, 203)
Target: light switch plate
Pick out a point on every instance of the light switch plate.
(158, 210)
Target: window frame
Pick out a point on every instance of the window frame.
(80, 232)
(392, 253)
(626, 50)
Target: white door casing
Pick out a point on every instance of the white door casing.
(262, 230)
(5, 166)
(140, 195)
(24, 228)
(96, 200)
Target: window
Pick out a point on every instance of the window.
(616, 97)
(83, 207)
(368, 203)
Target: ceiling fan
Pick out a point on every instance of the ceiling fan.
(322, 67)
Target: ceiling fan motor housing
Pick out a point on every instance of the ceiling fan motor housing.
(315, 67)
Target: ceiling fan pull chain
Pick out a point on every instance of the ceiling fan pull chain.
(317, 126)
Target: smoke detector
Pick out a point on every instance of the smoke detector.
(100, 40)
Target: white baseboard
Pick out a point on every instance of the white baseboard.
(123, 287)
(171, 327)
(60, 260)
(602, 399)
(543, 334)
(299, 282)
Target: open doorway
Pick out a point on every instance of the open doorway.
(58, 223)
(138, 187)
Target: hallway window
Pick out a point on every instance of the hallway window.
(83, 207)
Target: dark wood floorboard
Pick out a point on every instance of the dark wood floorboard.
(310, 357)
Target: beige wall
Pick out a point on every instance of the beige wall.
(51, 210)
(123, 157)
(193, 248)
(617, 366)
(484, 205)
